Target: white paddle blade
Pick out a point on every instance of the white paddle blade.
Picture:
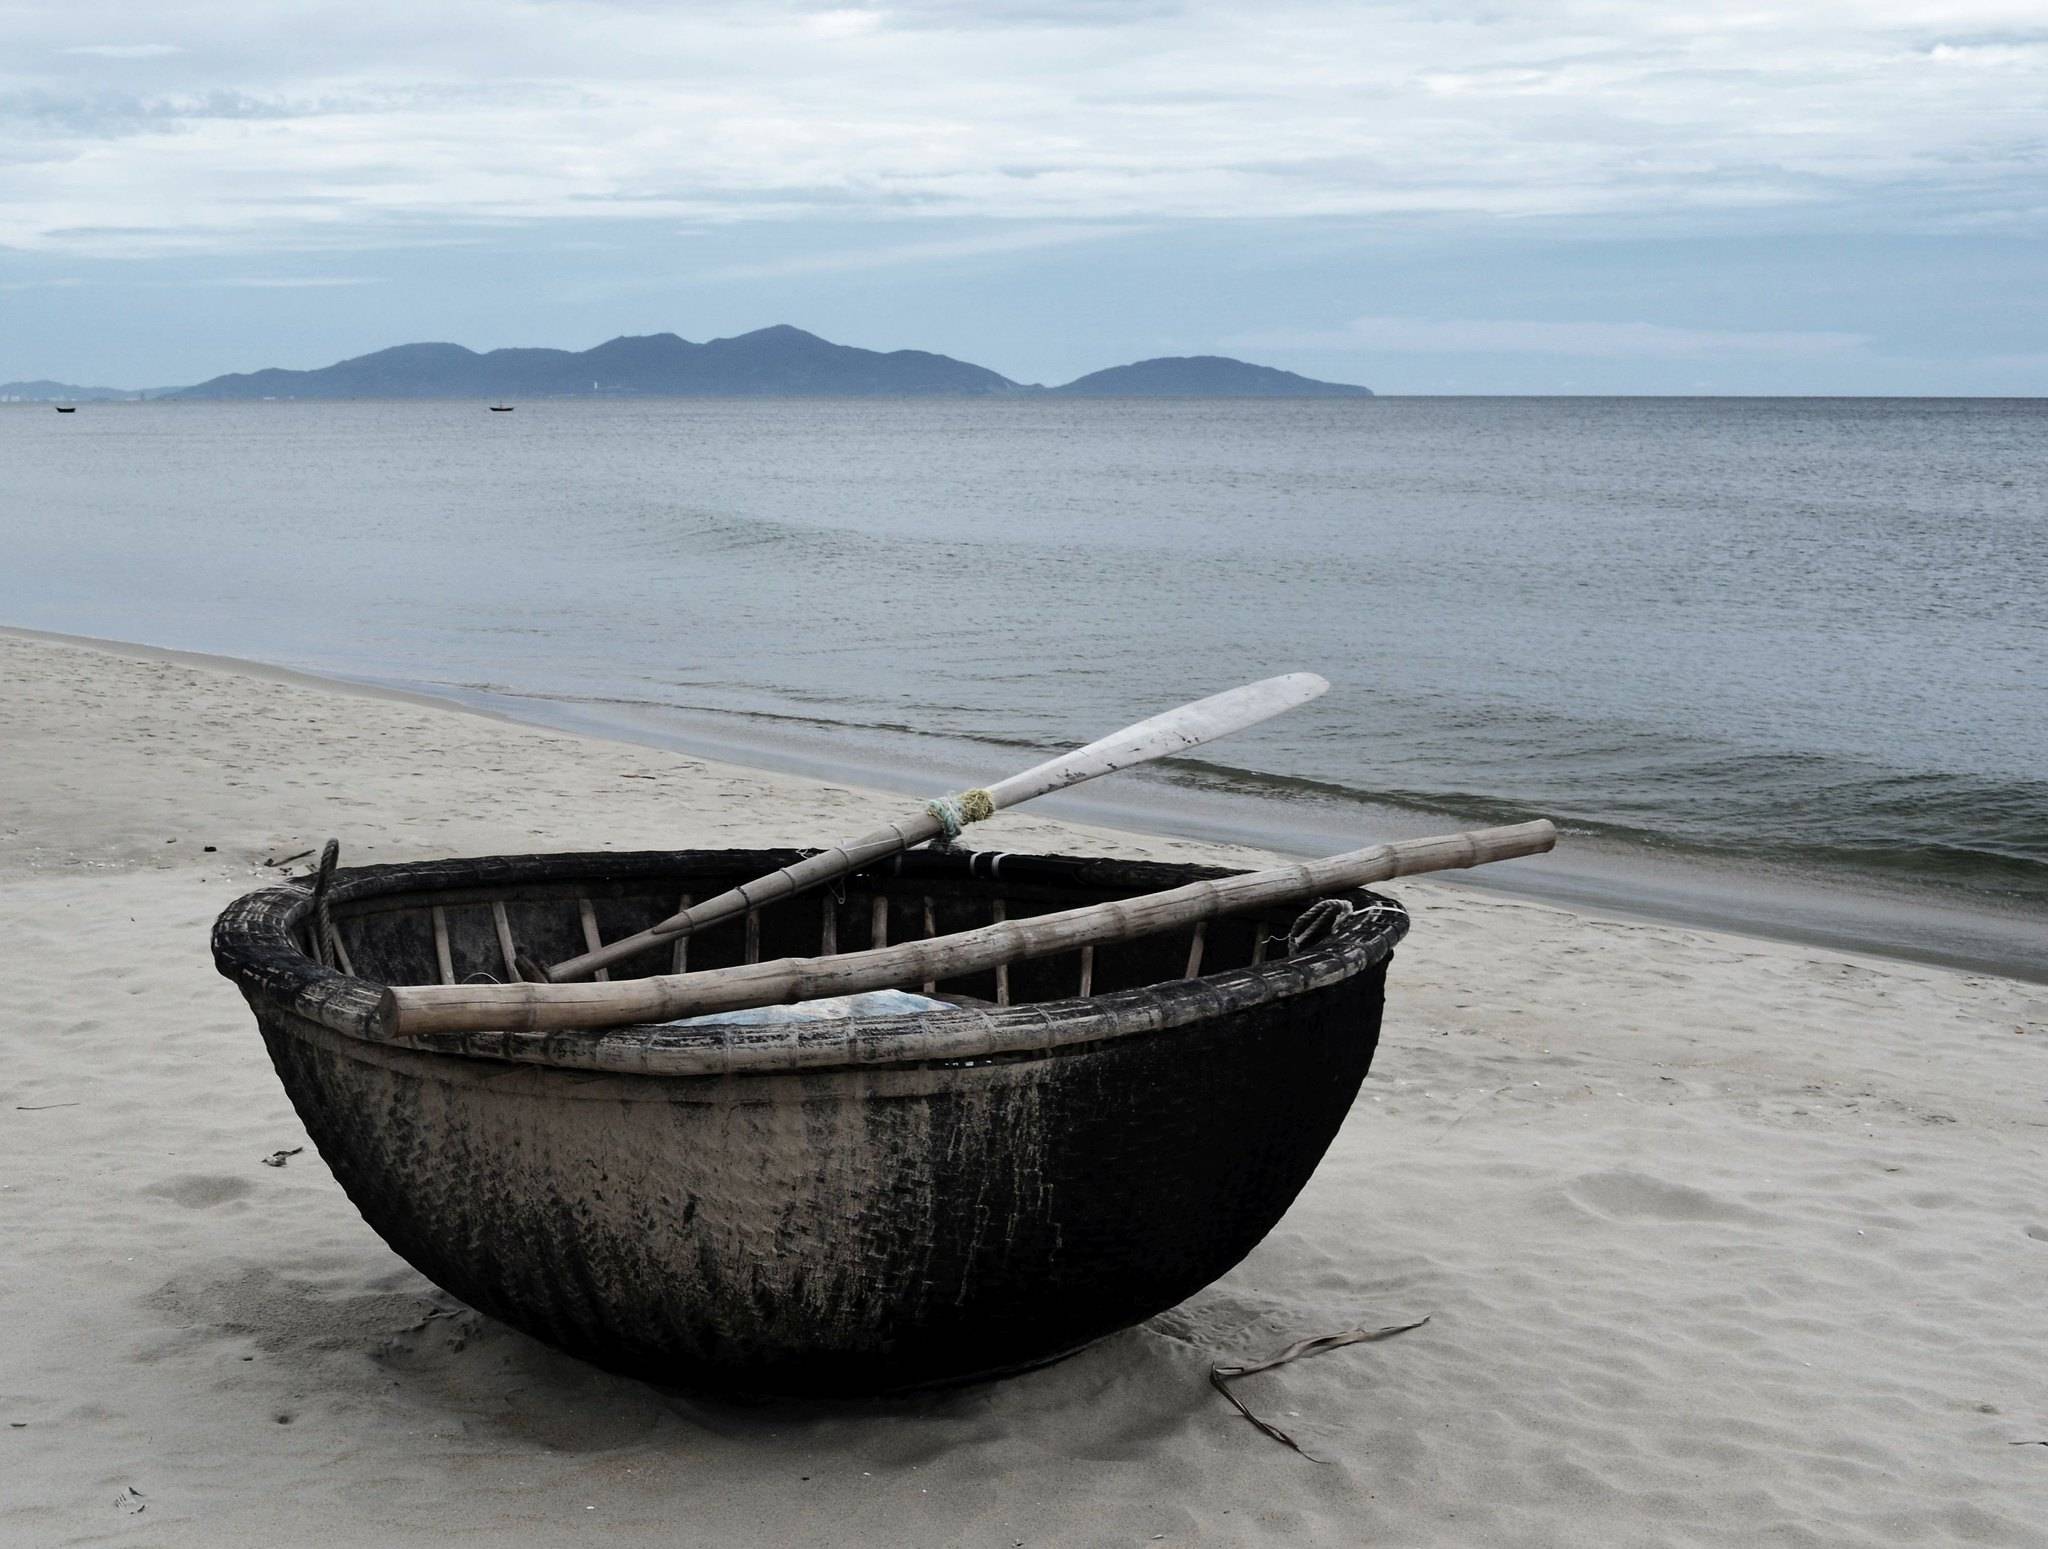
(1163, 735)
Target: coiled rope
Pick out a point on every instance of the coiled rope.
(1327, 916)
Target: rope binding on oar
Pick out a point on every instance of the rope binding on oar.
(956, 812)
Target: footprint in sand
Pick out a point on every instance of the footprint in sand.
(201, 1191)
(1633, 1195)
(2038, 1233)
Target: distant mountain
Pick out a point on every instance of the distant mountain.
(1203, 376)
(65, 392)
(779, 360)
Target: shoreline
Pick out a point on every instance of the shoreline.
(1585, 876)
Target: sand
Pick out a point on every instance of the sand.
(1722, 1241)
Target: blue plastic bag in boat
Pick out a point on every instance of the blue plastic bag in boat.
(871, 1003)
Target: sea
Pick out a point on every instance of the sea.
(1773, 665)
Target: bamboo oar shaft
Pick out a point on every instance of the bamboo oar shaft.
(525, 1007)
(1174, 731)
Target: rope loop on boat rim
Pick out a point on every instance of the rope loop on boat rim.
(330, 953)
(956, 812)
(1327, 916)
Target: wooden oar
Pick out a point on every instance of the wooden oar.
(420, 1010)
(1173, 732)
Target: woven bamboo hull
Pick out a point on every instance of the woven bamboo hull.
(904, 1221)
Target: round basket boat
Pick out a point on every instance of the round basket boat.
(831, 1207)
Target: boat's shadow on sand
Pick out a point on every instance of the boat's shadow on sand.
(392, 1340)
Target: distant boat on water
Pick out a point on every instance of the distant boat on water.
(64, 408)
(503, 408)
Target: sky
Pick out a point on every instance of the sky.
(1586, 196)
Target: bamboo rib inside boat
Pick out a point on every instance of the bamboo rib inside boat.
(999, 914)
(591, 939)
(505, 946)
(681, 958)
(444, 959)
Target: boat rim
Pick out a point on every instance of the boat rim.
(255, 943)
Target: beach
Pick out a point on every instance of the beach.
(1721, 1240)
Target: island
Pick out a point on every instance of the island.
(781, 361)
(1203, 376)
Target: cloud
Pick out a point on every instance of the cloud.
(419, 118)
(296, 282)
(232, 282)
(2036, 363)
(124, 50)
(1591, 340)
(935, 250)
